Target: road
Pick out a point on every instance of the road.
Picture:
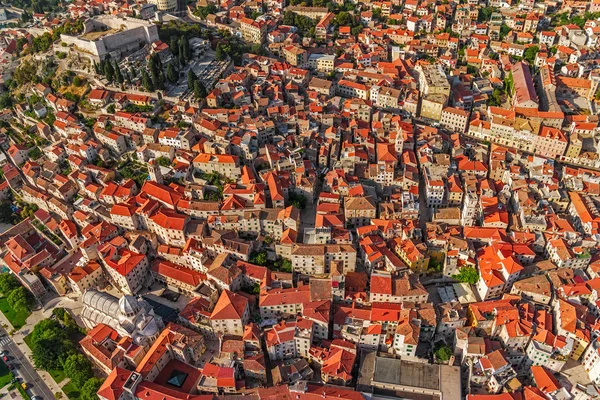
(24, 369)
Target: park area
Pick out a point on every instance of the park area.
(57, 375)
(72, 391)
(54, 349)
(16, 318)
(15, 300)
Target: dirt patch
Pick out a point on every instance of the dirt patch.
(76, 90)
(95, 35)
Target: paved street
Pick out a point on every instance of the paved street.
(24, 369)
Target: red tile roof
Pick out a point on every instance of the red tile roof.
(177, 272)
(229, 306)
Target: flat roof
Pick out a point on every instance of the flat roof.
(451, 383)
(464, 293)
(178, 376)
(406, 373)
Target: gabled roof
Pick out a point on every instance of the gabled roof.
(545, 380)
(229, 306)
(112, 388)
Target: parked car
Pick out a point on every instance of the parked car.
(10, 366)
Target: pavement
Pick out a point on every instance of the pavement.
(307, 218)
(573, 373)
(40, 382)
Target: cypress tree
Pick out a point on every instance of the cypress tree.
(118, 75)
(191, 78)
(147, 81)
(172, 74)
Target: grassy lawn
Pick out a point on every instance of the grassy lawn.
(71, 391)
(17, 319)
(27, 340)
(5, 375)
(57, 375)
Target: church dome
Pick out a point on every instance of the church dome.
(128, 305)
(148, 328)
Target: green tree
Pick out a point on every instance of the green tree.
(172, 74)
(297, 200)
(467, 275)
(36, 153)
(191, 79)
(530, 54)
(109, 71)
(155, 67)
(26, 73)
(90, 388)
(356, 30)
(28, 210)
(78, 368)
(160, 80)
(118, 75)
(184, 50)
(560, 19)
(472, 70)
(25, 16)
(288, 18)
(304, 24)
(5, 101)
(8, 282)
(50, 345)
(504, 30)
(163, 161)
(6, 214)
(19, 299)
(435, 265)
(443, 353)
(509, 83)
(497, 98)
(259, 258)
(485, 14)
(343, 18)
(578, 20)
(147, 83)
(286, 265)
(42, 43)
(173, 45)
(199, 90)
(203, 12)
(78, 81)
(220, 53)
(255, 289)
(184, 44)
(21, 42)
(66, 320)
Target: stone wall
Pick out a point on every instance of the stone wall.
(133, 35)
